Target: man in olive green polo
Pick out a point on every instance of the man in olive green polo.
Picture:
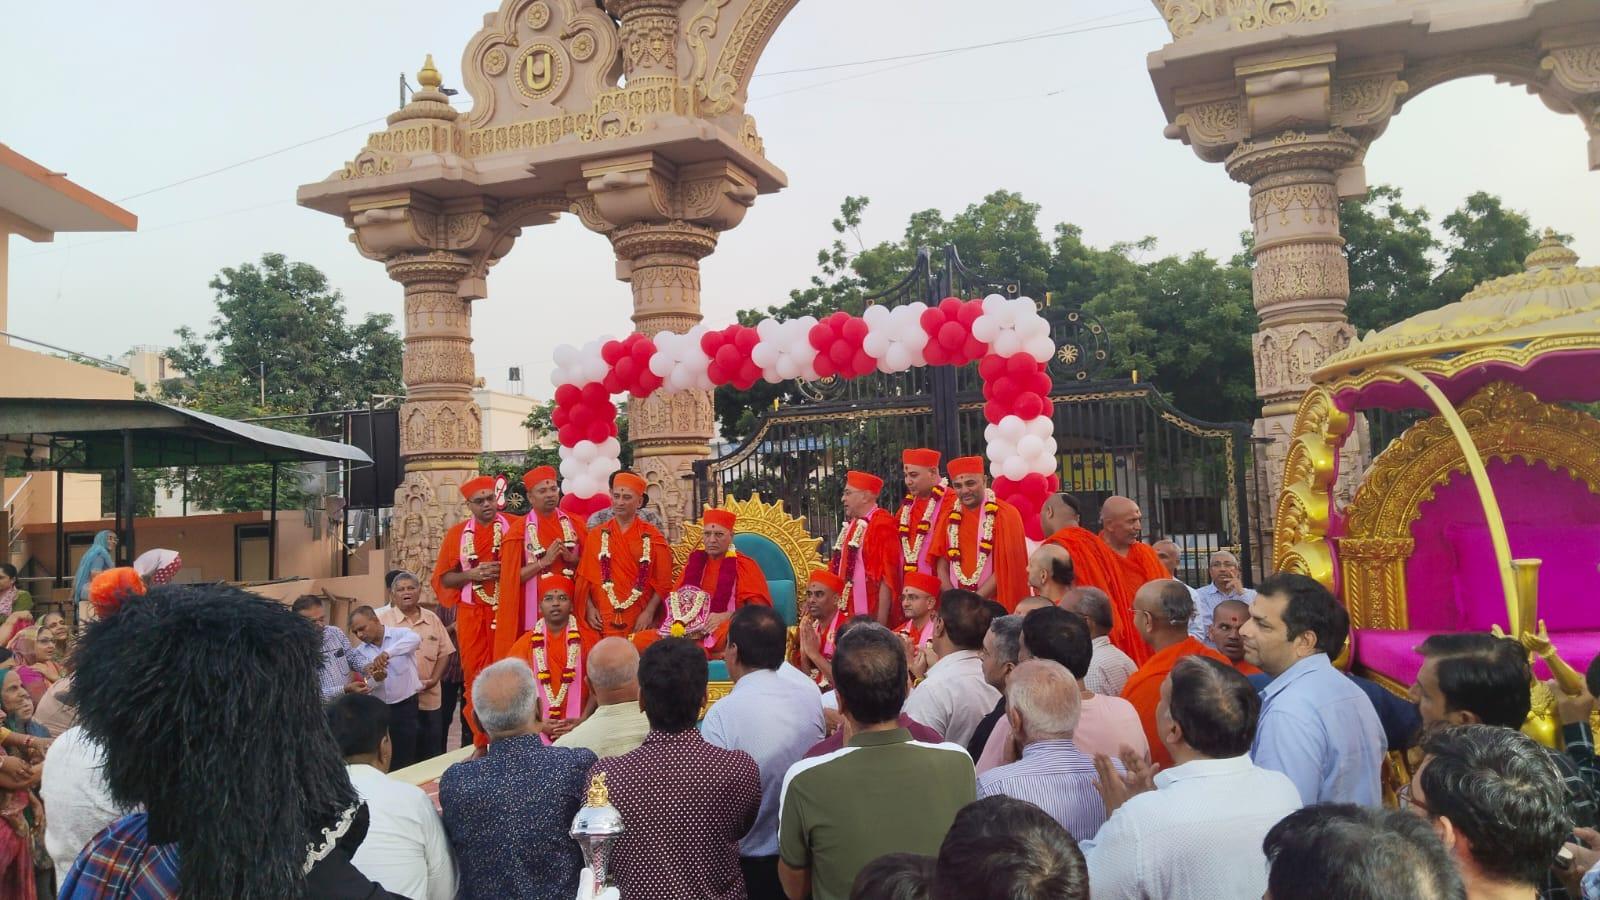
(881, 793)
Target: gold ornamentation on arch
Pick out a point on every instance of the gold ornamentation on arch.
(1506, 422)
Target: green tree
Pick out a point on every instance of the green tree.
(1485, 240)
(279, 344)
(1390, 249)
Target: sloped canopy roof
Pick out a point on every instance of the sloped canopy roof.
(88, 434)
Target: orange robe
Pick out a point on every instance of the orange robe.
(829, 634)
(922, 560)
(483, 634)
(548, 530)
(1010, 556)
(878, 563)
(556, 661)
(1094, 564)
(1139, 567)
(749, 586)
(626, 547)
(1143, 689)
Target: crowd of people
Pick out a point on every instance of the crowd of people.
(952, 717)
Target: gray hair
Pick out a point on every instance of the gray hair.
(505, 696)
(1220, 554)
(1177, 604)
(1045, 696)
(1007, 631)
(1094, 605)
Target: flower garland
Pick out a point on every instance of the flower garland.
(469, 559)
(846, 547)
(678, 615)
(985, 542)
(910, 548)
(535, 550)
(556, 703)
(609, 585)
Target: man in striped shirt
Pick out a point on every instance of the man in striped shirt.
(1053, 774)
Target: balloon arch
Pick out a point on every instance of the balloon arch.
(1007, 337)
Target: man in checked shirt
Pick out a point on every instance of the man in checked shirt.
(1480, 678)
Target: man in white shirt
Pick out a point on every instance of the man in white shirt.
(74, 789)
(406, 849)
(1109, 667)
(1161, 839)
(772, 719)
(954, 696)
(386, 655)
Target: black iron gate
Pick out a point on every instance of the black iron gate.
(1115, 436)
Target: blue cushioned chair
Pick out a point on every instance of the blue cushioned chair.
(780, 545)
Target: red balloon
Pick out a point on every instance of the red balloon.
(598, 431)
(625, 369)
(593, 392)
(951, 307)
(567, 394)
(569, 435)
(1033, 484)
(973, 348)
(864, 363)
(1052, 484)
(1048, 410)
(1028, 406)
(993, 413)
(746, 339)
(839, 353)
(824, 366)
(710, 342)
(855, 329)
(1004, 485)
(991, 366)
(952, 335)
(581, 415)
(820, 336)
(611, 351)
(1004, 389)
(970, 311)
(1020, 364)
(931, 319)
(1041, 383)
(728, 358)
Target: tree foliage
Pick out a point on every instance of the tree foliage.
(1183, 322)
(279, 344)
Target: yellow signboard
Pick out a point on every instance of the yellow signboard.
(1088, 473)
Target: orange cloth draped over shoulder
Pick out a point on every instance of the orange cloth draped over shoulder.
(880, 554)
(626, 546)
(1143, 689)
(1010, 557)
(484, 634)
(556, 657)
(550, 531)
(749, 586)
(1095, 564)
(1140, 567)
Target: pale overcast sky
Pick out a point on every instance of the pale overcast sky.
(126, 97)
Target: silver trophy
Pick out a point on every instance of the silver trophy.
(596, 828)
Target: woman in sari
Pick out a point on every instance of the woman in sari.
(12, 598)
(42, 670)
(21, 813)
(95, 560)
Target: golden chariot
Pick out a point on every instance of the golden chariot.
(1485, 514)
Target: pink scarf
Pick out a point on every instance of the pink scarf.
(694, 573)
(573, 708)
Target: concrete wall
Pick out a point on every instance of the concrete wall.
(33, 499)
(24, 373)
(207, 545)
(503, 415)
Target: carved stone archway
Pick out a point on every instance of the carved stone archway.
(632, 118)
(1289, 94)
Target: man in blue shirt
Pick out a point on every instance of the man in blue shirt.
(1316, 726)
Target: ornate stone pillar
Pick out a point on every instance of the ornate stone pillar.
(1301, 279)
(661, 261)
(440, 425)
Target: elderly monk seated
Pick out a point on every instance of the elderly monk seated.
(716, 581)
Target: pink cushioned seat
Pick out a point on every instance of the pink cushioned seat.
(1393, 655)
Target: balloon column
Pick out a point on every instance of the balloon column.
(1008, 338)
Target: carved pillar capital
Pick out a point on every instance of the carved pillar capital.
(649, 32)
(644, 187)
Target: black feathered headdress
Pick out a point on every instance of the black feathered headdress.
(206, 700)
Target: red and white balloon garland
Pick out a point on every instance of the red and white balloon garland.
(1008, 338)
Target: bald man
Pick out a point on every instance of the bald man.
(1226, 584)
(1093, 564)
(617, 724)
(1121, 522)
(1228, 618)
(1051, 573)
(1171, 556)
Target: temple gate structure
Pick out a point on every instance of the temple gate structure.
(630, 117)
(1289, 94)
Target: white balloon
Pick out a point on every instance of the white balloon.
(1030, 446)
(583, 486)
(1039, 426)
(610, 447)
(1014, 468)
(564, 451)
(584, 451)
(1040, 348)
(1012, 428)
(998, 451)
(570, 468)
(985, 328)
(897, 358)
(990, 432)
